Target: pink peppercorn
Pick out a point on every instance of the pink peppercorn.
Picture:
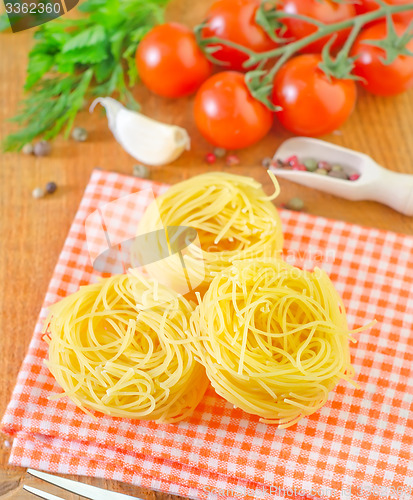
(354, 177)
(325, 165)
(277, 163)
(292, 161)
(210, 158)
(232, 160)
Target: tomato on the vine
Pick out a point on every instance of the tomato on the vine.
(234, 20)
(326, 11)
(227, 115)
(169, 61)
(364, 6)
(377, 77)
(312, 104)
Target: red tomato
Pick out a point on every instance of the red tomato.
(326, 11)
(234, 20)
(227, 115)
(170, 62)
(402, 17)
(312, 105)
(379, 78)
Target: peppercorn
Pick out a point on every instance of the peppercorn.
(295, 204)
(321, 171)
(279, 164)
(299, 166)
(338, 174)
(336, 168)
(310, 164)
(354, 177)
(28, 149)
(51, 187)
(42, 148)
(232, 160)
(292, 161)
(220, 152)
(79, 134)
(324, 165)
(38, 192)
(266, 162)
(141, 171)
(210, 158)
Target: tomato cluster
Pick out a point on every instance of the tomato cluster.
(171, 64)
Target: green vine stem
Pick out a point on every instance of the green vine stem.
(259, 81)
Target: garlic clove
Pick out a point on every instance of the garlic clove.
(147, 140)
(150, 141)
(112, 108)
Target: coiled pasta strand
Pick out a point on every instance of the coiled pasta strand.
(233, 217)
(120, 347)
(277, 338)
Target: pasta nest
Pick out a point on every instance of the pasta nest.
(233, 219)
(274, 339)
(121, 347)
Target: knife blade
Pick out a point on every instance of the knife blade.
(82, 489)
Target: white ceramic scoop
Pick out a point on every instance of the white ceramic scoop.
(375, 182)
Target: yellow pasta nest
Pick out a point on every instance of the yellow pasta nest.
(274, 339)
(233, 217)
(121, 347)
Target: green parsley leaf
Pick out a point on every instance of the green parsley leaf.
(4, 22)
(90, 37)
(77, 59)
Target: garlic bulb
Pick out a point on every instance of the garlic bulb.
(147, 140)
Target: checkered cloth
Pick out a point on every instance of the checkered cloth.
(358, 446)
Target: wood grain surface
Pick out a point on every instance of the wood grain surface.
(33, 231)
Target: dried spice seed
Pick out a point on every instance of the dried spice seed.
(141, 171)
(38, 192)
(320, 167)
(28, 149)
(337, 174)
(51, 187)
(79, 134)
(277, 163)
(266, 162)
(220, 152)
(42, 148)
(324, 165)
(292, 161)
(295, 204)
(310, 164)
(232, 160)
(210, 158)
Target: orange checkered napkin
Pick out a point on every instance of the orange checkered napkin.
(358, 446)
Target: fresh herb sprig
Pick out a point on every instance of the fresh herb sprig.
(268, 63)
(73, 60)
